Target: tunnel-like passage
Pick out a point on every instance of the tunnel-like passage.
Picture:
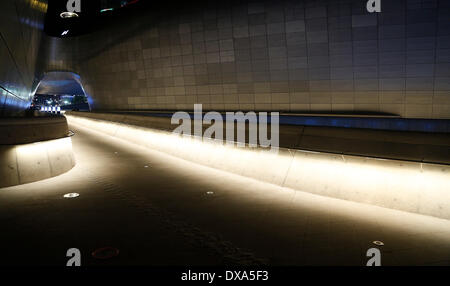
(33, 145)
(62, 90)
(359, 106)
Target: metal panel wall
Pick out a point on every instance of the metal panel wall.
(299, 56)
(21, 26)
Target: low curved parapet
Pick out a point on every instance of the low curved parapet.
(33, 149)
(30, 129)
(406, 185)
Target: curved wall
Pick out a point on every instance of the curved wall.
(21, 30)
(23, 130)
(325, 56)
(33, 149)
(27, 163)
(408, 186)
(298, 56)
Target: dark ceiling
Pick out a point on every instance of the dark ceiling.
(100, 14)
(94, 14)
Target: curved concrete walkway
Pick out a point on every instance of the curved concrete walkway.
(407, 186)
(161, 210)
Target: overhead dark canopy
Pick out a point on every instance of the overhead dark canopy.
(92, 15)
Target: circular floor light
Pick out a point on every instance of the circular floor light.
(377, 242)
(68, 15)
(105, 252)
(210, 193)
(71, 195)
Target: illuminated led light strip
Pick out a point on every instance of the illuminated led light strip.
(106, 10)
(407, 186)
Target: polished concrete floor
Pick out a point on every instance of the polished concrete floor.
(160, 210)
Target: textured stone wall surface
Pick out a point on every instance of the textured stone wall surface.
(297, 56)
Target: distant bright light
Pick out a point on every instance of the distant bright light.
(68, 15)
(71, 195)
(65, 33)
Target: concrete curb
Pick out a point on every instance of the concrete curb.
(23, 130)
(26, 163)
(407, 186)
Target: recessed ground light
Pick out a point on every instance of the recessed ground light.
(377, 242)
(210, 193)
(116, 153)
(105, 252)
(146, 166)
(71, 195)
(68, 15)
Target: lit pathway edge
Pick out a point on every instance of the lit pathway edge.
(406, 186)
